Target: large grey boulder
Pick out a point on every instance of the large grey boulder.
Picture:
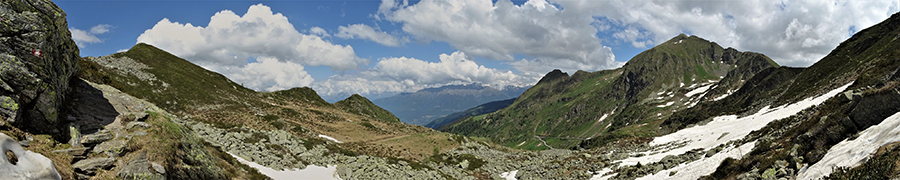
(37, 60)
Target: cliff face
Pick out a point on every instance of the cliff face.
(37, 60)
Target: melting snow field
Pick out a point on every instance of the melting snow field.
(602, 118)
(725, 95)
(667, 104)
(509, 175)
(329, 138)
(694, 170)
(311, 171)
(698, 90)
(855, 152)
(722, 130)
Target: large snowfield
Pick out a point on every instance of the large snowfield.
(310, 172)
(720, 131)
(852, 153)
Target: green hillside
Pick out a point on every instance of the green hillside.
(423, 106)
(589, 109)
(475, 111)
(360, 105)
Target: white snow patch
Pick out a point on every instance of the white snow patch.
(29, 165)
(329, 138)
(704, 166)
(724, 128)
(682, 85)
(723, 96)
(697, 91)
(695, 102)
(692, 86)
(852, 153)
(667, 104)
(509, 175)
(520, 144)
(310, 172)
(602, 118)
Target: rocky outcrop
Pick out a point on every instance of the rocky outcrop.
(37, 60)
(141, 168)
(553, 75)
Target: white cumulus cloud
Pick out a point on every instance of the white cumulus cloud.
(551, 37)
(563, 33)
(268, 74)
(794, 33)
(319, 31)
(402, 74)
(100, 28)
(227, 43)
(362, 31)
(230, 39)
(82, 37)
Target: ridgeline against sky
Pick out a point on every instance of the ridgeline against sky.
(386, 47)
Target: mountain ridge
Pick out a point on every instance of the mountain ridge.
(424, 106)
(634, 94)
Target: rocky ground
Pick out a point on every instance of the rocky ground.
(117, 136)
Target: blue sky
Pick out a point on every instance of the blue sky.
(383, 47)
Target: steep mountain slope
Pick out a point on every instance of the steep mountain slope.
(630, 101)
(422, 106)
(802, 123)
(189, 90)
(798, 145)
(475, 111)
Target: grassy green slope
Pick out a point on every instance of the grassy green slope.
(192, 92)
(422, 106)
(360, 105)
(181, 87)
(475, 111)
(566, 111)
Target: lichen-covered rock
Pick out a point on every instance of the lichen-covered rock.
(91, 166)
(96, 138)
(131, 125)
(111, 148)
(140, 168)
(37, 60)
